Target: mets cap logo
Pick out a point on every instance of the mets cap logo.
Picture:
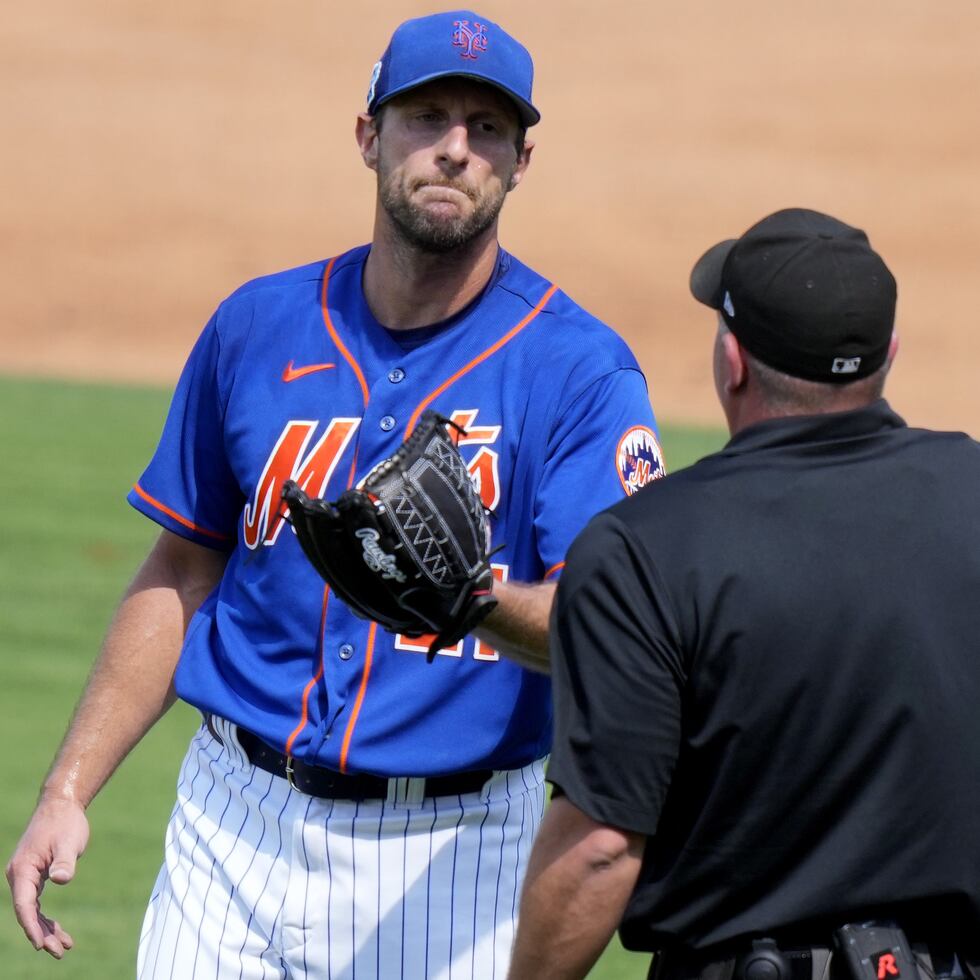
(473, 40)
(639, 459)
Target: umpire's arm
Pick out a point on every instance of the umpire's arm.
(618, 676)
(579, 878)
(130, 688)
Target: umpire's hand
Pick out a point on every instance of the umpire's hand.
(52, 843)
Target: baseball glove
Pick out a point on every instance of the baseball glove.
(409, 547)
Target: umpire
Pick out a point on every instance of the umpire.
(767, 666)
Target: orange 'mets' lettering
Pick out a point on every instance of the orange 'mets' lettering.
(484, 466)
(290, 461)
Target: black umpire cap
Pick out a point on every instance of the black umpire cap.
(804, 293)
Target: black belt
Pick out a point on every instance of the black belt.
(800, 960)
(727, 963)
(331, 785)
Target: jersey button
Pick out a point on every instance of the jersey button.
(346, 651)
(395, 375)
(388, 423)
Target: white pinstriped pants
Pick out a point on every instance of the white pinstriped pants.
(260, 881)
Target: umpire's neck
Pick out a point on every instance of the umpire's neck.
(751, 392)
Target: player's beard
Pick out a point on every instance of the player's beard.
(437, 233)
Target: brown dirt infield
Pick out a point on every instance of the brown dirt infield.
(156, 156)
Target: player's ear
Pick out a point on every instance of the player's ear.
(523, 161)
(366, 134)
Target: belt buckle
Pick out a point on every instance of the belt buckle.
(289, 773)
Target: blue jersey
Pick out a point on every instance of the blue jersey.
(293, 378)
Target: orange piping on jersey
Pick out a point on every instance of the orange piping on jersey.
(180, 520)
(513, 332)
(368, 657)
(554, 568)
(333, 333)
(359, 374)
(353, 470)
(309, 687)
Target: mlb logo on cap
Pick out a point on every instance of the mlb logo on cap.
(846, 365)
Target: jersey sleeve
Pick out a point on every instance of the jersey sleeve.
(189, 487)
(604, 447)
(617, 676)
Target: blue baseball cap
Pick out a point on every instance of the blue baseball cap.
(458, 42)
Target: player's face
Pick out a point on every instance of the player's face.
(446, 156)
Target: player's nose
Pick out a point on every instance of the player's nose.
(454, 147)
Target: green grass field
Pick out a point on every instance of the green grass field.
(70, 543)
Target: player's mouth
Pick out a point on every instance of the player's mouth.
(439, 191)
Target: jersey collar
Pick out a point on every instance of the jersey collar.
(857, 423)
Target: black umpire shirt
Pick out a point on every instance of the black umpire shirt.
(769, 664)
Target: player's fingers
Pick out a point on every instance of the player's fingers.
(56, 941)
(52, 945)
(25, 888)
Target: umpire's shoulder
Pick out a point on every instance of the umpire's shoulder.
(685, 497)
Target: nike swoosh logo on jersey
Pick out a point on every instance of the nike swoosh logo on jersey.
(290, 373)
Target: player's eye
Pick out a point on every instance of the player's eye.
(487, 127)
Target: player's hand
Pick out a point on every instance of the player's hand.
(54, 840)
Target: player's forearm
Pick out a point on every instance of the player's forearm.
(131, 684)
(518, 627)
(128, 690)
(579, 878)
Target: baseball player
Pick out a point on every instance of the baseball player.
(346, 808)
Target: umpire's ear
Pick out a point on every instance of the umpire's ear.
(892, 348)
(366, 133)
(730, 368)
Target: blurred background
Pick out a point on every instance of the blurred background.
(158, 155)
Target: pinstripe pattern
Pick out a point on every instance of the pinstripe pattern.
(261, 882)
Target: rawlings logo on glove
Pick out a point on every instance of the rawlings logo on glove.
(409, 548)
(375, 556)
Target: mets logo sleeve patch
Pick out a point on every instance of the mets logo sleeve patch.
(639, 458)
